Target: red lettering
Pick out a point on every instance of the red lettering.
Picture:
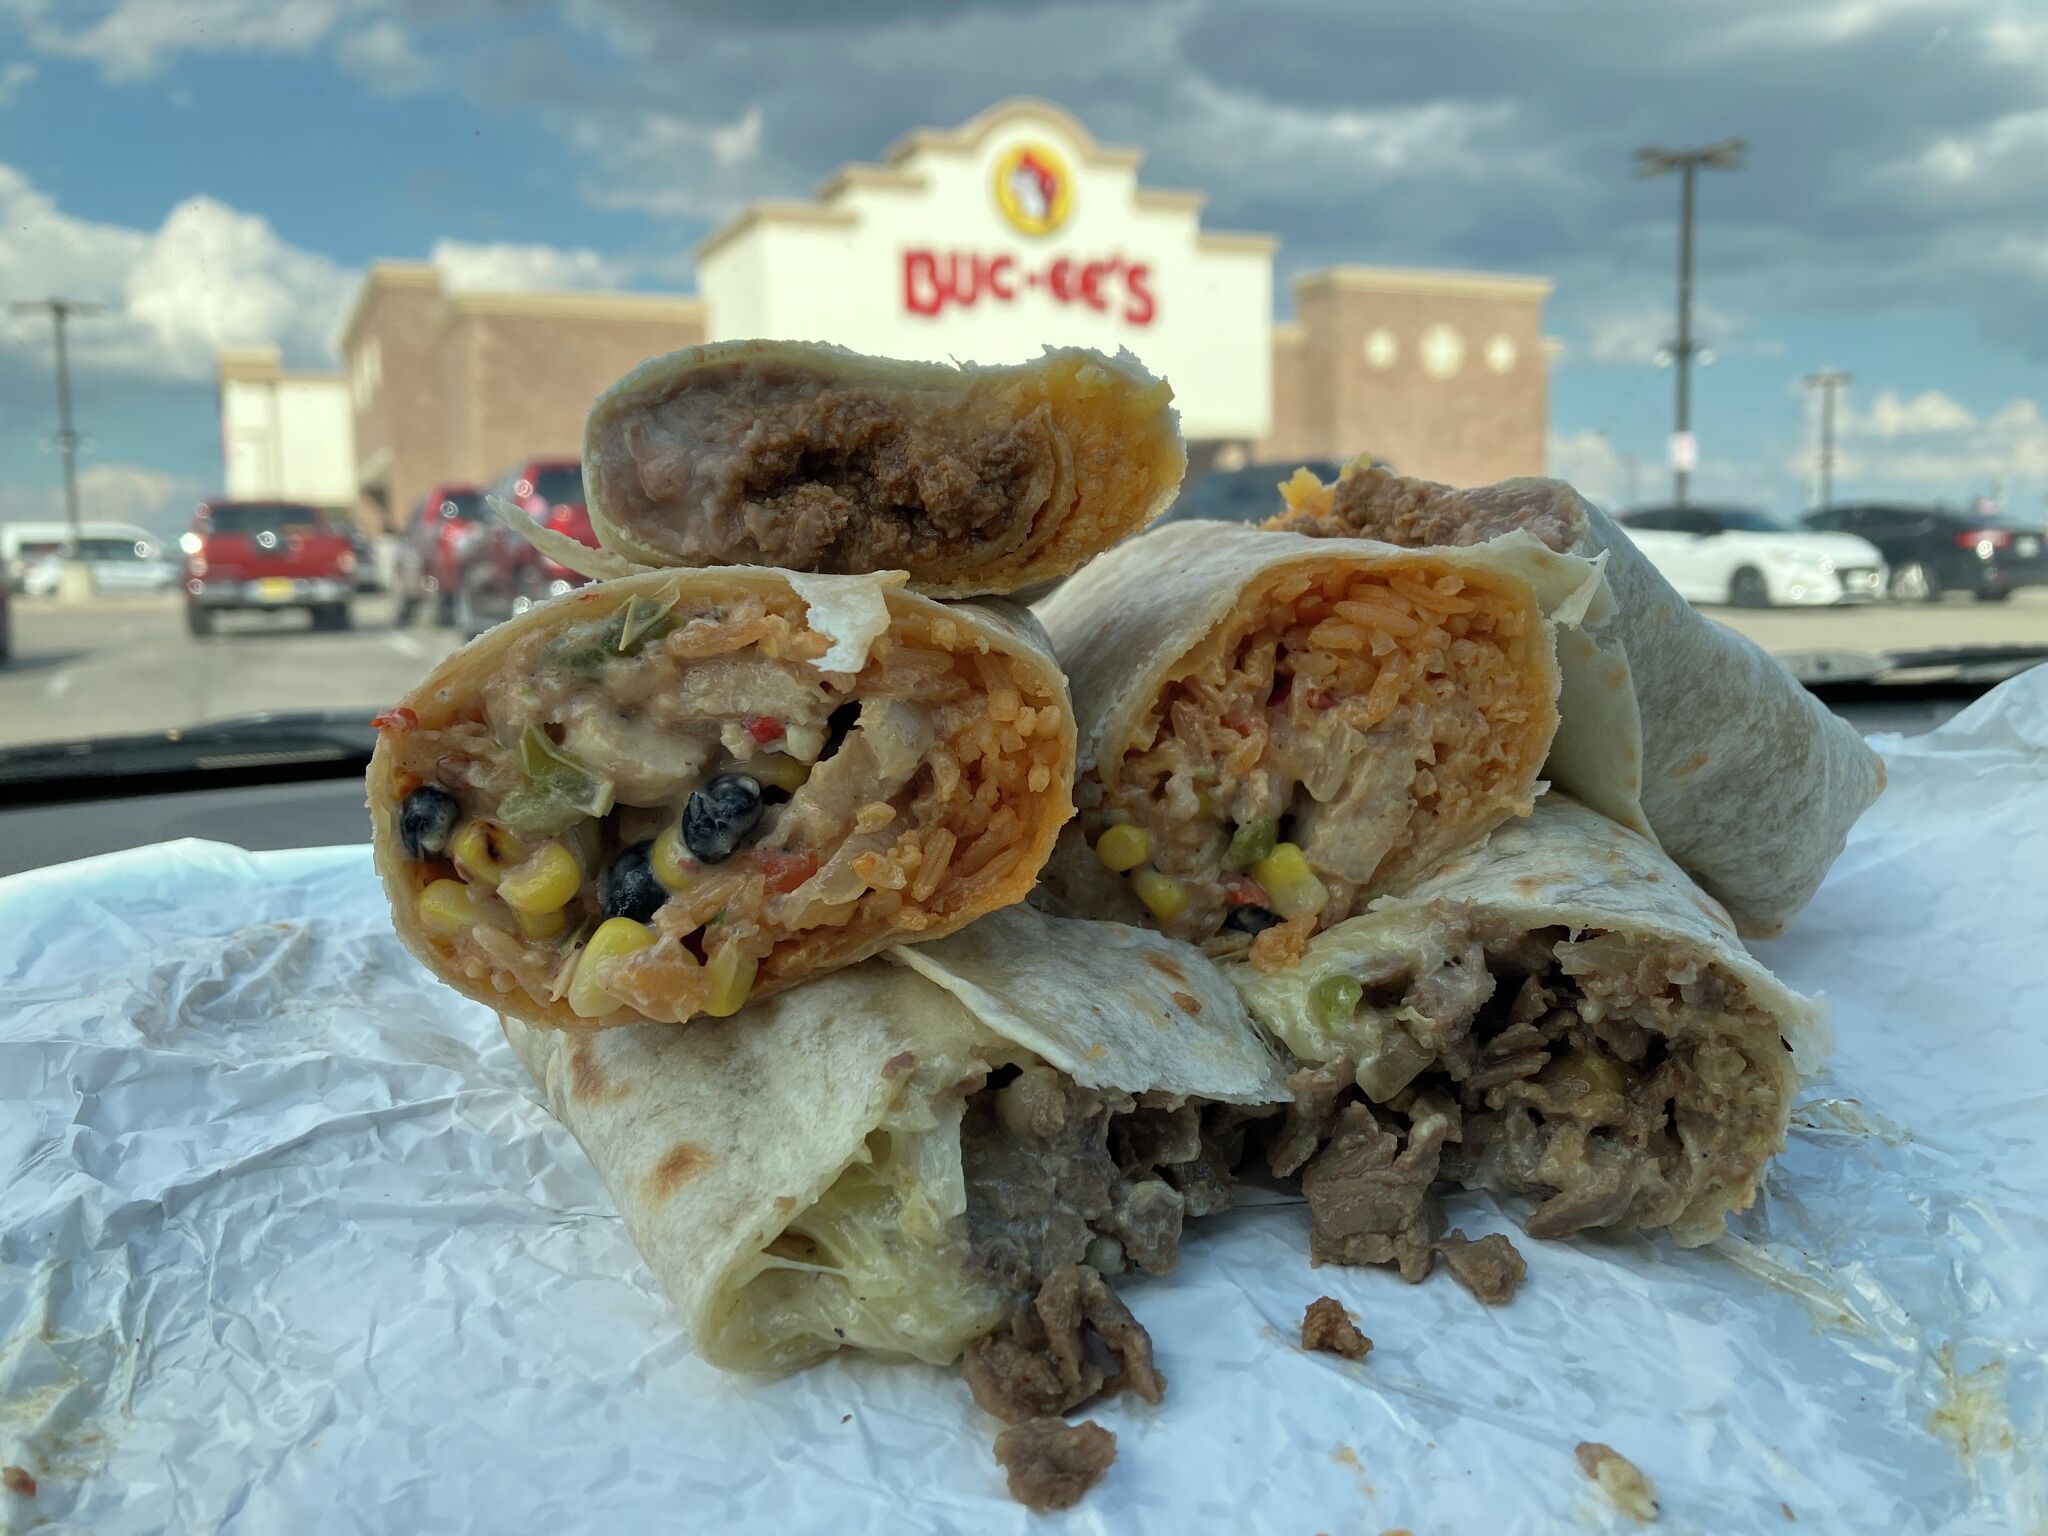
(924, 299)
(998, 278)
(1091, 283)
(1140, 309)
(1056, 279)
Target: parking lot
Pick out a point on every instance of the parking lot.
(126, 664)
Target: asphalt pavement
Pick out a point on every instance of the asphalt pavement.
(126, 664)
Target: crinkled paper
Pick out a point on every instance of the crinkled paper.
(286, 1245)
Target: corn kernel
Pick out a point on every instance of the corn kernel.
(731, 975)
(670, 860)
(778, 772)
(1123, 847)
(543, 926)
(546, 882)
(614, 938)
(448, 908)
(1164, 897)
(803, 742)
(484, 850)
(1289, 882)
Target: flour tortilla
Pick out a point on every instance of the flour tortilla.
(1565, 868)
(713, 1140)
(852, 611)
(1747, 780)
(1114, 455)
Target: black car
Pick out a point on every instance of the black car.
(1247, 495)
(1932, 550)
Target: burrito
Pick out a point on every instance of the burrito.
(1561, 1015)
(1274, 730)
(814, 458)
(897, 1157)
(656, 797)
(1745, 778)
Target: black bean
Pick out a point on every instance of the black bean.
(427, 820)
(837, 724)
(719, 816)
(1251, 919)
(629, 888)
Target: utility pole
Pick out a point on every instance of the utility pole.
(59, 311)
(1724, 156)
(1828, 381)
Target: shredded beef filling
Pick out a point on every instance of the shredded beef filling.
(1070, 1344)
(1619, 1084)
(767, 463)
(1491, 1268)
(1050, 1463)
(1375, 503)
(1326, 1326)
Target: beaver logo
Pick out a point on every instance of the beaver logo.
(1033, 188)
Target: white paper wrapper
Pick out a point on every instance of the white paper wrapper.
(286, 1245)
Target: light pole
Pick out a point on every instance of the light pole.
(59, 311)
(1828, 381)
(1724, 156)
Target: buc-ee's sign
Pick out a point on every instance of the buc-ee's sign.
(1033, 190)
(935, 281)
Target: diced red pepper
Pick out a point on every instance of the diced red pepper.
(399, 719)
(1320, 698)
(763, 728)
(784, 872)
(1244, 891)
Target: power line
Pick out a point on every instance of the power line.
(59, 311)
(1724, 156)
(1828, 381)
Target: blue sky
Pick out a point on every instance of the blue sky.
(222, 170)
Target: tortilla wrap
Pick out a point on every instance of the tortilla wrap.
(1242, 694)
(1747, 780)
(811, 457)
(921, 753)
(1559, 1014)
(834, 1168)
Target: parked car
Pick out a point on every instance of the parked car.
(113, 564)
(6, 619)
(428, 570)
(1247, 495)
(23, 546)
(502, 574)
(262, 556)
(1753, 560)
(368, 577)
(1932, 550)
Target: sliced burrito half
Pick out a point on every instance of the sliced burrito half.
(814, 458)
(1559, 1014)
(656, 797)
(1274, 729)
(895, 1157)
(1744, 777)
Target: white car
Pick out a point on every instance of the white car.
(115, 565)
(1752, 560)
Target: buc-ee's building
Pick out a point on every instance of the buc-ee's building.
(984, 243)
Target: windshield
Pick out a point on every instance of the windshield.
(310, 268)
(265, 519)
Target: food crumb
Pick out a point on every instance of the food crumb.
(1786, 1511)
(17, 1480)
(1491, 1269)
(1050, 1464)
(1328, 1327)
(846, 1418)
(1619, 1478)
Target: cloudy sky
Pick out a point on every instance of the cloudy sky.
(220, 171)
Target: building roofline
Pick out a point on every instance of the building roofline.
(970, 135)
(1236, 240)
(576, 305)
(386, 274)
(773, 211)
(1289, 333)
(1434, 281)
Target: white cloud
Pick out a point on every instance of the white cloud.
(135, 39)
(383, 57)
(1892, 415)
(116, 493)
(668, 164)
(12, 78)
(210, 276)
(520, 268)
(1932, 444)
(1635, 333)
(1588, 460)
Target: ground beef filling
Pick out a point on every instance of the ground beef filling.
(1375, 503)
(1373, 720)
(768, 463)
(1327, 1327)
(1051, 1464)
(1619, 1085)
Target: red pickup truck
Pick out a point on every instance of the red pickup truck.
(502, 574)
(261, 556)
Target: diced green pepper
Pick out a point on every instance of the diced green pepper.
(1251, 843)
